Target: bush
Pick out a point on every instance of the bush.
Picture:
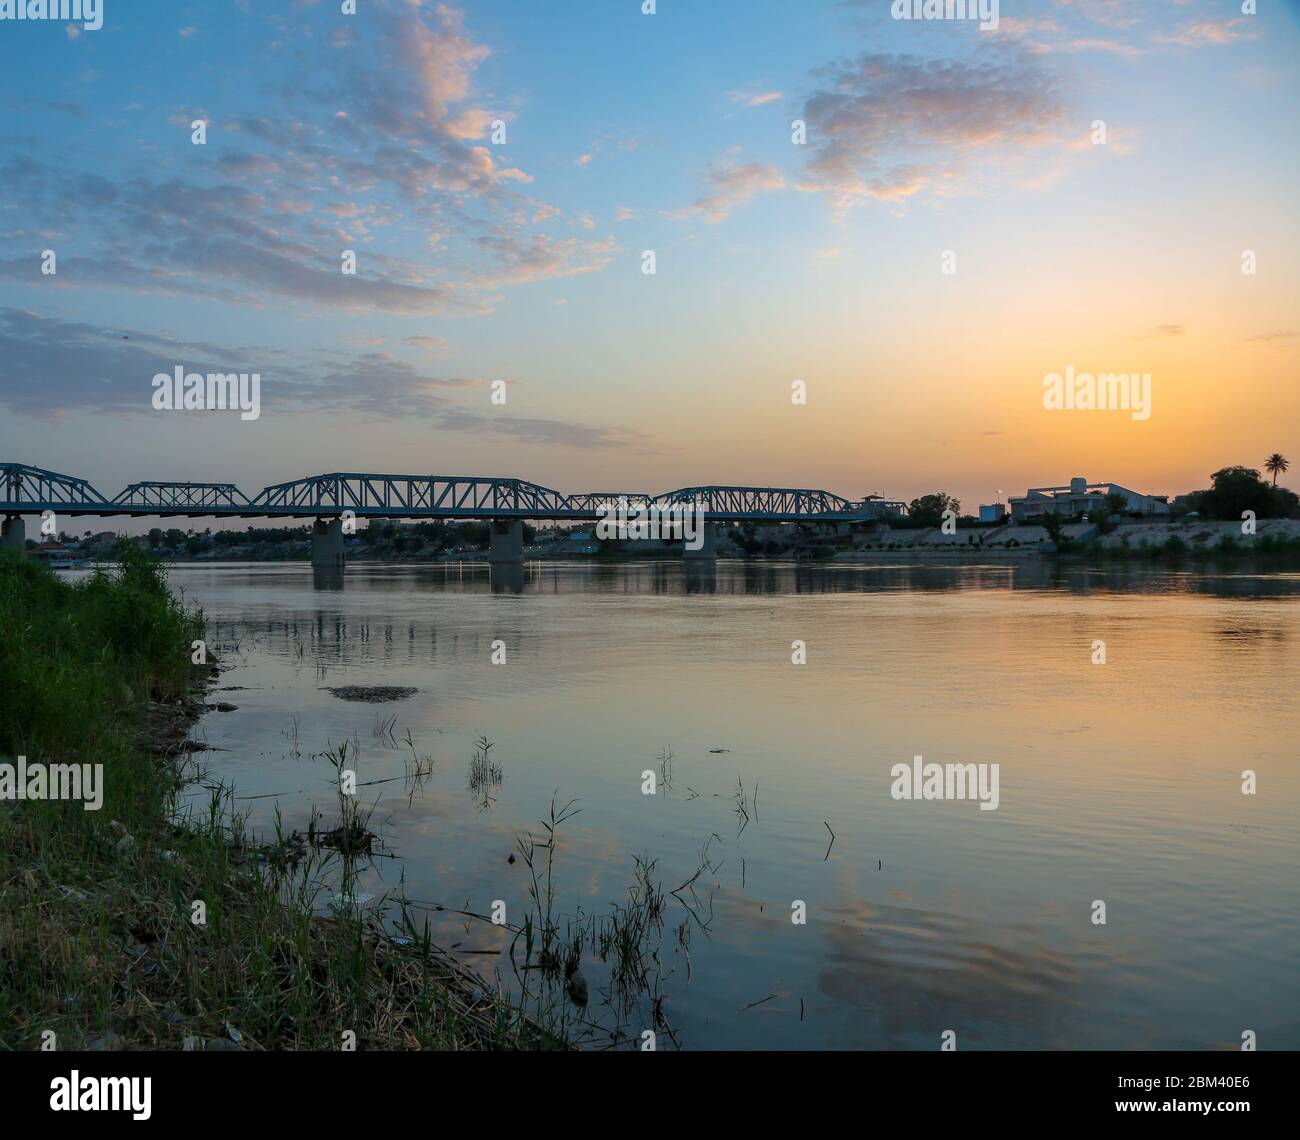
(73, 657)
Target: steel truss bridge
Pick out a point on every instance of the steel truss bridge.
(33, 490)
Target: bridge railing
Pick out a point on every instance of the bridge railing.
(26, 489)
(778, 503)
(182, 497)
(596, 501)
(413, 495)
(23, 485)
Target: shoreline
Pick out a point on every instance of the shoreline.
(141, 926)
(1276, 541)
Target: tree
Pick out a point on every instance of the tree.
(928, 509)
(1234, 490)
(746, 538)
(1053, 521)
(1116, 503)
(1277, 464)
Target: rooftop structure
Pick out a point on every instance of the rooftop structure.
(1081, 497)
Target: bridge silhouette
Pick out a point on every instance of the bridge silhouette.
(504, 502)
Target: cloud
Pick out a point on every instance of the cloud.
(437, 345)
(443, 58)
(376, 154)
(731, 184)
(885, 127)
(1274, 339)
(1210, 33)
(559, 433)
(50, 367)
(1046, 36)
(754, 98)
(533, 257)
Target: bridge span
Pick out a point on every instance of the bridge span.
(504, 502)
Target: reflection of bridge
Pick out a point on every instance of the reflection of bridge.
(505, 503)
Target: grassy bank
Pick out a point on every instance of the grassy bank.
(98, 943)
(1268, 550)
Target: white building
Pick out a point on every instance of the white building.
(1081, 497)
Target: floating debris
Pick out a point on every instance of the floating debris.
(576, 987)
(346, 902)
(372, 694)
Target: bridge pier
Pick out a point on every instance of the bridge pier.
(506, 543)
(327, 545)
(709, 545)
(13, 533)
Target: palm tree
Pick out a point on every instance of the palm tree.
(1277, 464)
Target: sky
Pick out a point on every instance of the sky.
(500, 168)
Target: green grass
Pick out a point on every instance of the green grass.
(97, 942)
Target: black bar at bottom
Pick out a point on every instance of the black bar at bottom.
(581, 1092)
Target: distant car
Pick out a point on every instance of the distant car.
(1192, 516)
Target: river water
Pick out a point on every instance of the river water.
(1119, 783)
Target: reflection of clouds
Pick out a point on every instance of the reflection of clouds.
(917, 973)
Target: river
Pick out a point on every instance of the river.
(1119, 783)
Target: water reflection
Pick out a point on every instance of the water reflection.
(327, 579)
(1119, 782)
(506, 579)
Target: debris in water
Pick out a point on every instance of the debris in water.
(372, 694)
(343, 902)
(577, 988)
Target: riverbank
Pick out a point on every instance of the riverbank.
(1275, 541)
(128, 927)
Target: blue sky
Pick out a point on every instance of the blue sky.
(521, 262)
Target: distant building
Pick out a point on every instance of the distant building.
(582, 542)
(1081, 497)
(881, 508)
(50, 551)
(56, 555)
(992, 512)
